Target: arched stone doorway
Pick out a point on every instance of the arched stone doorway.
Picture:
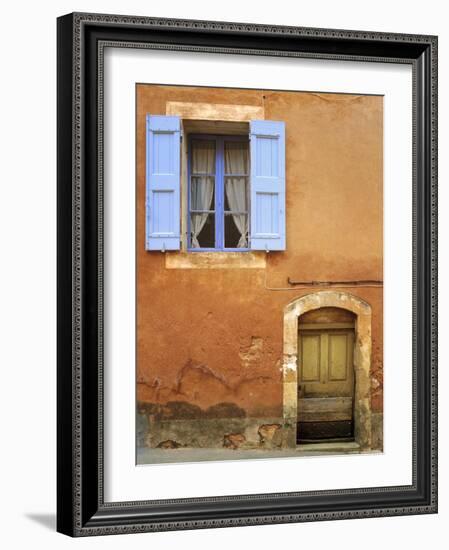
(362, 361)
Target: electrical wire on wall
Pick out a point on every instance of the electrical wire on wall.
(297, 285)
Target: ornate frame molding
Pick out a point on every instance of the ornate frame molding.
(81, 41)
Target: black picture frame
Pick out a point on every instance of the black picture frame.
(81, 510)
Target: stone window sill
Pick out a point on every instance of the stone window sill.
(215, 260)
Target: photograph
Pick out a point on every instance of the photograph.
(259, 273)
(247, 255)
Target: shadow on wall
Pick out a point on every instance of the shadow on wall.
(46, 520)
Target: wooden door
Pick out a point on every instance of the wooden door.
(325, 382)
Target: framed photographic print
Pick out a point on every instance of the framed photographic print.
(246, 274)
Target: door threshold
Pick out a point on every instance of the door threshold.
(327, 440)
(329, 447)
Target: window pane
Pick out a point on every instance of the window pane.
(203, 157)
(236, 194)
(202, 191)
(236, 231)
(236, 157)
(202, 230)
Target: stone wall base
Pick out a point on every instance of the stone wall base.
(377, 427)
(232, 433)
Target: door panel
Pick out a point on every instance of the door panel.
(327, 409)
(338, 357)
(310, 356)
(325, 383)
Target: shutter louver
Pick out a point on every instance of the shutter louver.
(267, 185)
(163, 183)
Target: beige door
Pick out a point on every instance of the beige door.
(325, 382)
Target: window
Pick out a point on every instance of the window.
(218, 193)
(235, 188)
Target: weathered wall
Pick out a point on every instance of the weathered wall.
(209, 341)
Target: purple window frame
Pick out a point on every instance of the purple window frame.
(219, 198)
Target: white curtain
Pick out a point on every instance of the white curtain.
(236, 162)
(202, 186)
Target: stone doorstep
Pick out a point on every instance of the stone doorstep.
(161, 456)
(334, 447)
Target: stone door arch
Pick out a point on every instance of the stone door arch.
(362, 361)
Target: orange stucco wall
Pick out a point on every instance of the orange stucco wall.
(206, 336)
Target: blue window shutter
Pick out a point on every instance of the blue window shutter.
(267, 185)
(162, 227)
